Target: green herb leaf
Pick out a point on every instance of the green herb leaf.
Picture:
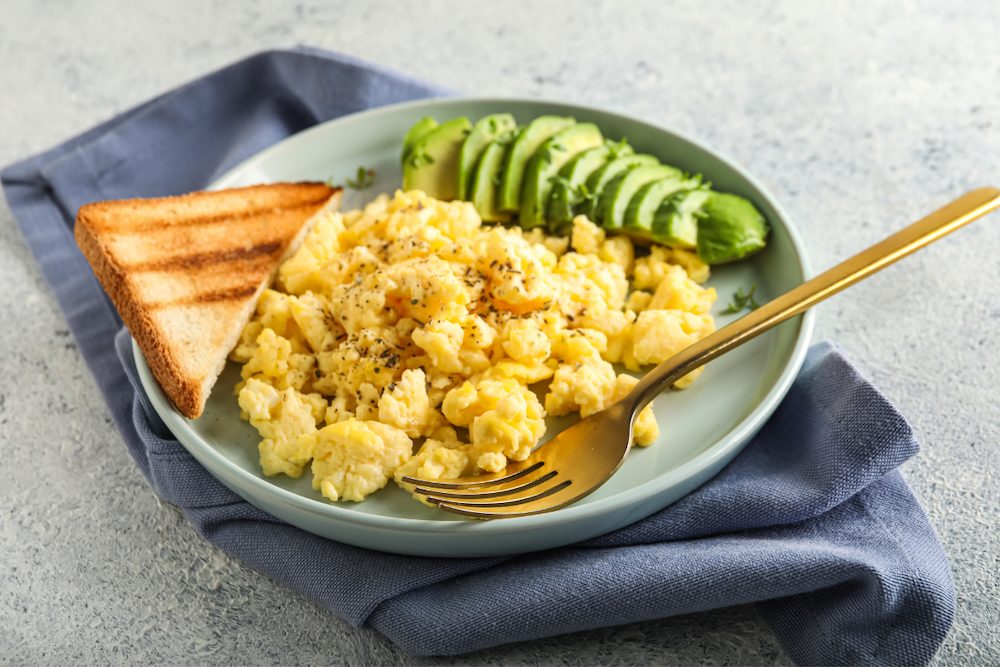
(617, 148)
(418, 159)
(742, 301)
(363, 180)
(580, 194)
(559, 180)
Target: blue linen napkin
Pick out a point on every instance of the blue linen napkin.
(812, 521)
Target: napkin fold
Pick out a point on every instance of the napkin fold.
(812, 521)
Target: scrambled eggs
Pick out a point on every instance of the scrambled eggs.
(409, 322)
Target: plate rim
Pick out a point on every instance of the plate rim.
(180, 426)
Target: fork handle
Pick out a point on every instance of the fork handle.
(958, 213)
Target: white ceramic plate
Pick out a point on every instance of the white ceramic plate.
(703, 427)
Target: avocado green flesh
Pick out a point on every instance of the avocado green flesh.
(646, 202)
(559, 210)
(420, 129)
(485, 183)
(546, 163)
(432, 164)
(564, 194)
(730, 228)
(614, 202)
(527, 142)
(598, 181)
(554, 169)
(676, 231)
(675, 222)
(486, 130)
(564, 197)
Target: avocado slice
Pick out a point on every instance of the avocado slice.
(420, 129)
(483, 132)
(527, 142)
(614, 201)
(647, 201)
(486, 180)
(731, 228)
(432, 164)
(566, 189)
(675, 222)
(611, 170)
(546, 163)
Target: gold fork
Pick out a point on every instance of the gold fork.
(584, 456)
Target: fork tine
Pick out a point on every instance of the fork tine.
(508, 475)
(555, 499)
(505, 502)
(475, 493)
(585, 455)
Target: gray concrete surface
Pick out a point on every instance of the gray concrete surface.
(860, 116)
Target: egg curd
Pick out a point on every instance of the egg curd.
(410, 323)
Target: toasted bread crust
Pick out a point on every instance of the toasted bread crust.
(101, 224)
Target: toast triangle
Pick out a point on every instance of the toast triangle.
(185, 272)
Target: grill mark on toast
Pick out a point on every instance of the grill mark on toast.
(203, 259)
(122, 226)
(213, 296)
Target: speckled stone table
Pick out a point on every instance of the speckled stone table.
(860, 116)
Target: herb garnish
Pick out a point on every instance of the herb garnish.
(742, 300)
(617, 148)
(577, 194)
(417, 159)
(364, 179)
(581, 194)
